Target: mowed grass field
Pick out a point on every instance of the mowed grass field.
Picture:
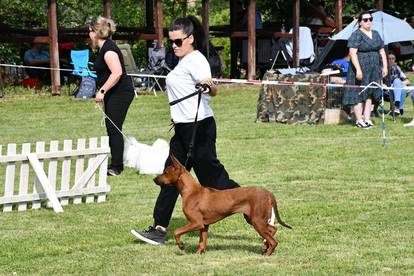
(349, 199)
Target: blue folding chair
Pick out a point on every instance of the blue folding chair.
(80, 62)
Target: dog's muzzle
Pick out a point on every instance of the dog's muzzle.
(157, 181)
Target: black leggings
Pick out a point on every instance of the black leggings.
(208, 169)
(116, 107)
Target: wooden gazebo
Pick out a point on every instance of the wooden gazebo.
(154, 31)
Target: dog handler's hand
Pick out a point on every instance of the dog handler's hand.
(99, 97)
(213, 88)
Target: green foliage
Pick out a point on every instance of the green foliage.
(9, 53)
(129, 13)
(276, 11)
(24, 14)
(220, 15)
(139, 50)
(173, 9)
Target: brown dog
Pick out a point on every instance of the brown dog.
(203, 206)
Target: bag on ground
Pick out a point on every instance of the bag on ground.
(87, 88)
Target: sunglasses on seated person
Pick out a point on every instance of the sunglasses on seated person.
(178, 42)
(367, 19)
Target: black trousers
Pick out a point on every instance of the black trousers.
(116, 108)
(208, 169)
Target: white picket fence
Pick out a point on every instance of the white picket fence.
(33, 186)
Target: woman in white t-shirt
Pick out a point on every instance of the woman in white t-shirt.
(188, 40)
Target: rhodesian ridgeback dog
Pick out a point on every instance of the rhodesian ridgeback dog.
(204, 206)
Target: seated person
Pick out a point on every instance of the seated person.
(398, 81)
(334, 94)
(36, 56)
(344, 65)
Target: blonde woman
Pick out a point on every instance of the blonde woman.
(115, 87)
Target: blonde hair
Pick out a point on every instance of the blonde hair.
(103, 26)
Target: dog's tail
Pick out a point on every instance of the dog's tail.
(275, 213)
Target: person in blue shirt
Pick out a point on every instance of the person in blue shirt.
(344, 62)
(336, 93)
(36, 56)
(344, 65)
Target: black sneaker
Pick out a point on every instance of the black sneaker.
(401, 112)
(153, 235)
(395, 112)
(113, 172)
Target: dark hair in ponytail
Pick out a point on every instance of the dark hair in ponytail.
(190, 25)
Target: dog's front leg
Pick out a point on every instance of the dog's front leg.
(202, 246)
(182, 230)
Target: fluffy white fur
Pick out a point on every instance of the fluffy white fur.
(144, 158)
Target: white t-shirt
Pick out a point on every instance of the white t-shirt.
(181, 81)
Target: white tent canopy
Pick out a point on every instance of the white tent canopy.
(390, 28)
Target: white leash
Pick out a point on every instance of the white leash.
(107, 117)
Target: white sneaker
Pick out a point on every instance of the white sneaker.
(369, 123)
(361, 124)
(410, 124)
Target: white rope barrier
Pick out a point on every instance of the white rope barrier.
(36, 67)
(243, 81)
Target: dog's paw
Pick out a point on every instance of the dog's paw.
(180, 245)
(201, 251)
(264, 247)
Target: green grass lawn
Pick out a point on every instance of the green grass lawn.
(349, 199)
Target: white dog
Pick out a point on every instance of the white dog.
(144, 158)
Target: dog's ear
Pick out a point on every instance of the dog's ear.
(175, 162)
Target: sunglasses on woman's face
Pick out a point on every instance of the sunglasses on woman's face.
(367, 19)
(178, 42)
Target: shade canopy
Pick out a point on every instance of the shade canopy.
(390, 28)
